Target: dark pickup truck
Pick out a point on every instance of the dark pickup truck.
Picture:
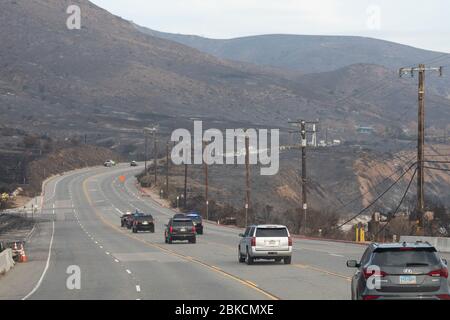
(143, 223)
(180, 229)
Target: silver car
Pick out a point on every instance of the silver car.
(400, 271)
(265, 242)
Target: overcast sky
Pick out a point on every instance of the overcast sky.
(423, 24)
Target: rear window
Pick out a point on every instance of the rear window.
(182, 223)
(405, 258)
(143, 218)
(271, 232)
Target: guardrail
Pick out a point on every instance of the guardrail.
(441, 244)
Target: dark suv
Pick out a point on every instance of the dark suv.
(400, 271)
(198, 221)
(143, 223)
(180, 229)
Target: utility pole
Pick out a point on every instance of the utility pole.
(421, 70)
(247, 177)
(206, 184)
(145, 152)
(146, 132)
(155, 160)
(167, 169)
(304, 180)
(304, 191)
(185, 185)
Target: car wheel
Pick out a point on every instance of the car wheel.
(249, 260)
(193, 240)
(241, 258)
(278, 259)
(287, 260)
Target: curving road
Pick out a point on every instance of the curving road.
(79, 226)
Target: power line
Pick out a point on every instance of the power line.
(408, 162)
(439, 169)
(378, 198)
(399, 205)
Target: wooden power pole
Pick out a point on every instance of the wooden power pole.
(304, 180)
(206, 184)
(421, 70)
(167, 169)
(247, 178)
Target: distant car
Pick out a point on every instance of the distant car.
(109, 163)
(123, 219)
(143, 223)
(266, 242)
(180, 229)
(198, 221)
(400, 271)
(130, 219)
(179, 215)
(133, 164)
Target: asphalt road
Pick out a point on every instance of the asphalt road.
(80, 226)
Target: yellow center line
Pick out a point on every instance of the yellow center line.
(171, 252)
(330, 273)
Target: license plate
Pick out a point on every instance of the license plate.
(183, 229)
(272, 243)
(408, 280)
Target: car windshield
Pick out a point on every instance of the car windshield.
(405, 258)
(271, 232)
(195, 218)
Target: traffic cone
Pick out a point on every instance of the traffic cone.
(23, 255)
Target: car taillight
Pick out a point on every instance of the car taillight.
(171, 229)
(443, 296)
(368, 274)
(253, 242)
(290, 242)
(439, 273)
(370, 297)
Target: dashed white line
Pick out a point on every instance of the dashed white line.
(128, 271)
(336, 255)
(138, 288)
(116, 260)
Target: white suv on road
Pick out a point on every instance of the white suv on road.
(266, 242)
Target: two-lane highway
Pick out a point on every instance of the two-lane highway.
(80, 229)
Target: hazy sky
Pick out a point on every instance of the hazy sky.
(423, 24)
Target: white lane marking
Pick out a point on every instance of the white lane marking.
(128, 271)
(337, 255)
(107, 253)
(101, 247)
(116, 260)
(46, 265)
(119, 211)
(138, 288)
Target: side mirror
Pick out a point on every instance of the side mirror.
(241, 235)
(353, 264)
